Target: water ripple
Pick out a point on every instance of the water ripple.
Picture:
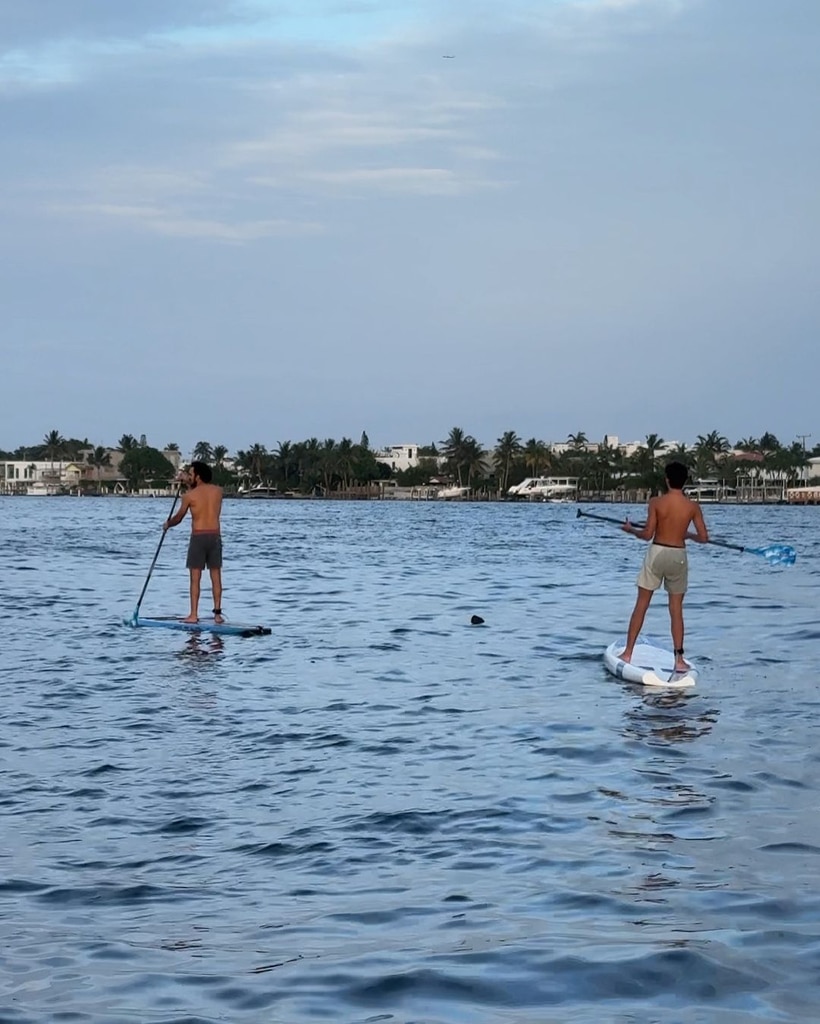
(386, 812)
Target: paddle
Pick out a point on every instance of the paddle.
(775, 554)
(136, 614)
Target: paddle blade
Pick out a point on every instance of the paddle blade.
(776, 554)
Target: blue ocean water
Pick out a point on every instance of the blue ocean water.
(382, 812)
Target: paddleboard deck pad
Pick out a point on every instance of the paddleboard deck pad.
(650, 666)
(203, 626)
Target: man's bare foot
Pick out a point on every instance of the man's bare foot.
(681, 665)
(625, 656)
(218, 617)
(191, 618)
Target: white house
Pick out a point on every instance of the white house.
(44, 476)
(30, 476)
(398, 456)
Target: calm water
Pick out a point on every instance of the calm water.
(383, 813)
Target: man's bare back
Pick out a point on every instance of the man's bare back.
(205, 503)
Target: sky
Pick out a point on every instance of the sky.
(253, 221)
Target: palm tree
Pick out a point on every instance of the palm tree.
(328, 462)
(344, 460)
(472, 455)
(98, 458)
(769, 443)
(127, 443)
(654, 444)
(536, 456)
(203, 452)
(219, 453)
(453, 450)
(646, 462)
(54, 445)
(680, 453)
(284, 460)
(307, 456)
(709, 451)
(73, 448)
(255, 459)
(508, 447)
(793, 461)
(578, 440)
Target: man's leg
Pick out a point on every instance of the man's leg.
(196, 577)
(216, 587)
(676, 615)
(636, 622)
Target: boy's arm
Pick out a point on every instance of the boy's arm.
(701, 534)
(177, 518)
(647, 531)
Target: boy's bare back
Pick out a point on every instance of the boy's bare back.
(670, 517)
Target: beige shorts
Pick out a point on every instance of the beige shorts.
(664, 565)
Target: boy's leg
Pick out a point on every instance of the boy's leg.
(636, 622)
(196, 576)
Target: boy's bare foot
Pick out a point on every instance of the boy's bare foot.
(218, 617)
(625, 656)
(681, 665)
(191, 618)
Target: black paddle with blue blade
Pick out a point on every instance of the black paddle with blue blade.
(136, 614)
(775, 554)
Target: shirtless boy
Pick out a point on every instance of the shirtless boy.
(667, 527)
(204, 500)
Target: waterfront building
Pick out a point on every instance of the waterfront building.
(398, 457)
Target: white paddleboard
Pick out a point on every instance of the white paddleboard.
(650, 666)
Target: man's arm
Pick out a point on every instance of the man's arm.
(647, 531)
(177, 518)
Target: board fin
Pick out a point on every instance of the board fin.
(676, 681)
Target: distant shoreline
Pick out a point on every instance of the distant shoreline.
(406, 499)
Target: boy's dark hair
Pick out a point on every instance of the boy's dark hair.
(203, 471)
(676, 475)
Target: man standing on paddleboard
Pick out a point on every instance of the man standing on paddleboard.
(667, 528)
(204, 500)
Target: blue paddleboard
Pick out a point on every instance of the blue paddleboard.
(203, 626)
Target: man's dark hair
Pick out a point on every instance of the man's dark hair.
(203, 471)
(676, 475)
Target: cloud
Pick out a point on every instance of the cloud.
(422, 181)
(175, 224)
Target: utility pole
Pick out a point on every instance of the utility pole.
(803, 468)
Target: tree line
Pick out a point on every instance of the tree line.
(314, 466)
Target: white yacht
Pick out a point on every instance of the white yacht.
(453, 493)
(546, 488)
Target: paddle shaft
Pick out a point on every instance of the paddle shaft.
(156, 556)
(620, 522)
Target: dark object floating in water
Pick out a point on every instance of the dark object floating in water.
(476, 620)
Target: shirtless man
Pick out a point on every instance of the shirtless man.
(204, 500)
(667, 527)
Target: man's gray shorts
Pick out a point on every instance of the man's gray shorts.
(205, 551)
